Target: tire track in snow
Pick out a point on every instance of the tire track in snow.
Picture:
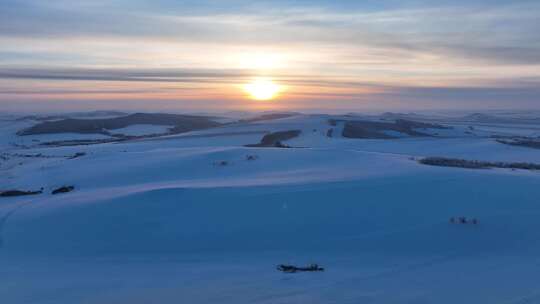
(5, 218)
(532, 298)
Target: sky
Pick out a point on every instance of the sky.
(324, 55)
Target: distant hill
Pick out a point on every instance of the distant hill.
(486, 118)
(480, 117)
(270, 116)
(406, 116)
(180, 123)
(376, 130)
(92, 114)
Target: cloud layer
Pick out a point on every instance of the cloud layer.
(328, 53)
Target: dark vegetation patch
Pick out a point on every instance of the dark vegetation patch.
(36, 155)
(63, 189)
(7, 156)
(522, 142)
(11, 193)
(476, 164)
(180, 123)
(375, 129)
(275, 139)
(80, 142)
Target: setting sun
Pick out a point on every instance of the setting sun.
(262, 89)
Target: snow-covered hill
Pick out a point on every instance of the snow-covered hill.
(199, 217)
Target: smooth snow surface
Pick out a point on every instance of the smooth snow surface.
(190, 218)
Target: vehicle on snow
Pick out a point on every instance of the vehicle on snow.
(293, 269)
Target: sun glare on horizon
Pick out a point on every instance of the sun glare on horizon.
(262, 89)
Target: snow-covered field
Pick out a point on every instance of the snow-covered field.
(192, 218)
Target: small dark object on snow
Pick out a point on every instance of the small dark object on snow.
(10, 193)
(64, 189)
(221, 163)
(330, 132)
(463, 220)
(251, 157)
(279, 144)
(293, 269)
(78, 154)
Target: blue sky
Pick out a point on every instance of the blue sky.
(196, 55)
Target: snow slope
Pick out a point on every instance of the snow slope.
(163, 221)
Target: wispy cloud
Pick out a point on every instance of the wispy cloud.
(410, 49)
(498, 33)
(115, 74)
